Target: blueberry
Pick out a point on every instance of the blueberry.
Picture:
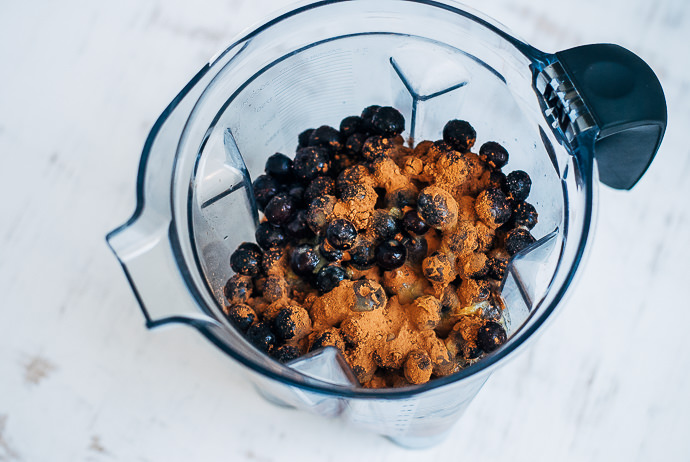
(304, 260)
(351, 125)
(350, 177)
(249, 246)
(518, 185)
(497, 180)
(246, 261)
(437, 207)
(297, 227)
(261, 336)
(319, 186)
(362, 255)
(284, 324)
(493, 154)
(470, 352)
(279, 210)
(296, 192)
(497, 267)
(492, 207)
(388, 121)
(517, 239)
(271, 258)
(279, 166)
(491, 336)
(417, 248)
(367, 116)
(324, 339)
(329, 277)
(240, 315)
(390, 255)
(325, 136)
(376, 147)
(329, 253)
(525, 215)
(311, 162)
(354, 143)
(238, 288)
(303, 138)
(341, 234)
(268, 236)
(286, 353)
(265, 187)
(460, 135)
(413, 223)
(384, 225)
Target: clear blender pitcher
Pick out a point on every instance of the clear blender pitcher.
(568, 119)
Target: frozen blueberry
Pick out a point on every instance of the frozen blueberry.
(261, 336)
(384, 225)
(417, 248)
(324, 339)
(413, 223)
(390, 255)
(367, 116)
(518, 239)
(329, 277)
(376, 147)
(303, 138)
(470, 352)
(286, 353)
(325, 136)
(296, 192)
(459, 134)
(354, 143)
(493, 154)
(319, 186)
(351, 125)
(437, 207)
(311, 162)
(270, 258)
(497, 267)
(238, 288)
(525, 215)
(329, 253)
(362, 255)
(304, 260)
(249, 246)
(279, 166)
(518, 185)
(297, 227)
(491, 336)
(497, 180)
(246, 261)
(388, 121)
(279, 210)
(493, 207)
(240, 315)
(341, 234)
(265, 187)
(268, 236)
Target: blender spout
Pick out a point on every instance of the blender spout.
(144, 250)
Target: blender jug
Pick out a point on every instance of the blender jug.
(590, 113)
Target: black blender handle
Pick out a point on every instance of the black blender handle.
(625, 99)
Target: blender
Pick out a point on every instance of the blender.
(571, 119)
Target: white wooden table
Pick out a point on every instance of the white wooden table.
(81, 84)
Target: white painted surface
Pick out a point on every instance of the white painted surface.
(82, 379)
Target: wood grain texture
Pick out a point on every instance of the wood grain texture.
(82, 379)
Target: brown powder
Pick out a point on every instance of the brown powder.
(418, 321)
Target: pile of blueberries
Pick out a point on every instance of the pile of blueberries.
(291, 189)
(293, 194)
